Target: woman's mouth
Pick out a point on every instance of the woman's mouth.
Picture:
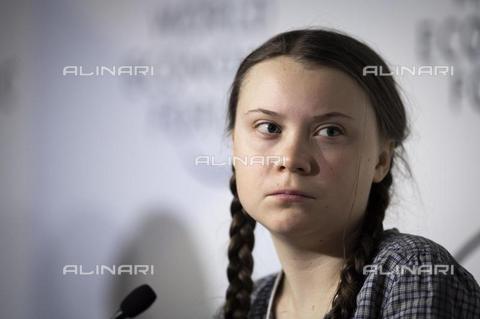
(291, 195)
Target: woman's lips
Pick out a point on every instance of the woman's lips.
(288, 198)
(291, 195)
(292, 192)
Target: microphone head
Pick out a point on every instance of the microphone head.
(138, 301)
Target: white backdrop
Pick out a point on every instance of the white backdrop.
(100, 169)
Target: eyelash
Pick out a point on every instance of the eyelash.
(326, 127)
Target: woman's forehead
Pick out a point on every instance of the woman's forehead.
(289, 87)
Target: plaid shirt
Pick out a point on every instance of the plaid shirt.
(396, 286)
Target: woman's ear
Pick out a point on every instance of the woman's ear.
(384, 160)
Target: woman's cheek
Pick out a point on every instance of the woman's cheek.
(342, 172)
(242, 187)
(335, 162)
(247, 182)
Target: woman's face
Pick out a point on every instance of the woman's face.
(313, 119)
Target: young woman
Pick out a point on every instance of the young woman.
(330, 134)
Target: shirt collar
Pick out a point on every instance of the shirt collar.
(272, 295)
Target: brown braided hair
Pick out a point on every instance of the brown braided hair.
(240, 267)
(315, 47)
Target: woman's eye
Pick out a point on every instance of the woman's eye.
(330, 131)
(268, 128)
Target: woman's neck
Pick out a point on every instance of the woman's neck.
(310, 276)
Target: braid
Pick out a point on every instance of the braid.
(351, 277)
(240, 267)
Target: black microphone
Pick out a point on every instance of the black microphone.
(136, 302)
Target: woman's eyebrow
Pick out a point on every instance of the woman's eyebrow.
(316, 117)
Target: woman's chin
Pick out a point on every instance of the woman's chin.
(288, 222)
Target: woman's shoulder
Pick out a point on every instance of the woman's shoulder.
(400, 252)
(397, 247)
(260, 297)
(263, 286)
(413, 274)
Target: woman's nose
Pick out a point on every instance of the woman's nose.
(297, 156)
